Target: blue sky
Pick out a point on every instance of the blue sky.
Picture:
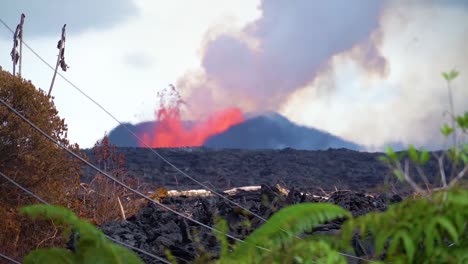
(367, 71)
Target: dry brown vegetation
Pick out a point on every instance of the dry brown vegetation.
(34, 162)
(101, 199)
(46, 170)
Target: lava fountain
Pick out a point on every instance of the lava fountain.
(171, 131)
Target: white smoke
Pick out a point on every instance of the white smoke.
(367, 71)
(257, 67)
(404, 101)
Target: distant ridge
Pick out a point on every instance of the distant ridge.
(266, 131)
(274, 131)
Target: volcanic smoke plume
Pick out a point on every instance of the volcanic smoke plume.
(171, 131)
(367, 71)
(259, 66)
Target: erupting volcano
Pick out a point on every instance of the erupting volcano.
(171, 131)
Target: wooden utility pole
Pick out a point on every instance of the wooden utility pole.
(14, 53)
(20, 36)
(60, 58)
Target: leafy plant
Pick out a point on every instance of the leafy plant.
(278, 239)
(418, 230)
(91, 245)
(457, 154)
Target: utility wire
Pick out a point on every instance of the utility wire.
(151, 149)
(116, 180)
(137, 249)
(108, 237)
(136, 136)
(22, 188)
(9, 259)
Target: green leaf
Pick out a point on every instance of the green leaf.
(222, 226)
(48, 256)
(92, 246)
(446, 76)
(391, 154)
(380, 242)
(399, 174)
(449, 76)
(408, 245)
(448, 226)
(465, 148)
(464, 158)
(424, 157)
(460, 121)
(285, 225)
(430, 236)
(465, 116)
(446, 130)
(413, 154)
(384, 159)
(453, 154)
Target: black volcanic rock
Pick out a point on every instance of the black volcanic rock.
(154, 229)
(227, 168)
(274, 131)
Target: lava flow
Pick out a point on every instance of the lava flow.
(171, 131)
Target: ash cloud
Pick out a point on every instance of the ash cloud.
(45, 18)
(258, 67)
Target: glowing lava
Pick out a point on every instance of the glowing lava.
(169, 130)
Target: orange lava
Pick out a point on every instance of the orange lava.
(169, 130)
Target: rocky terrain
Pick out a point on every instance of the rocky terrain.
(347, 178)
(228, 168)
(154, 229)
(225, 169)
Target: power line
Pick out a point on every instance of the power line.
(108, 237)
(138, 137)
(137, 249)
(116, 180)
(22, 188)
(151, 149)
(9, 259)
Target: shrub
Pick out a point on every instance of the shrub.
(102, 199)
(34, 162)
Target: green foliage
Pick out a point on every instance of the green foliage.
(462, 121)
(222, 226)
(423, 230)
(456, 154)
(446, 130)
(278, 239)
(91, 247)
(451, 75)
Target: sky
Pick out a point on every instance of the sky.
(367, 71)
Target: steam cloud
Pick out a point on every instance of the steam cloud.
(368, 71)
(406, 102)
(258, 67)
